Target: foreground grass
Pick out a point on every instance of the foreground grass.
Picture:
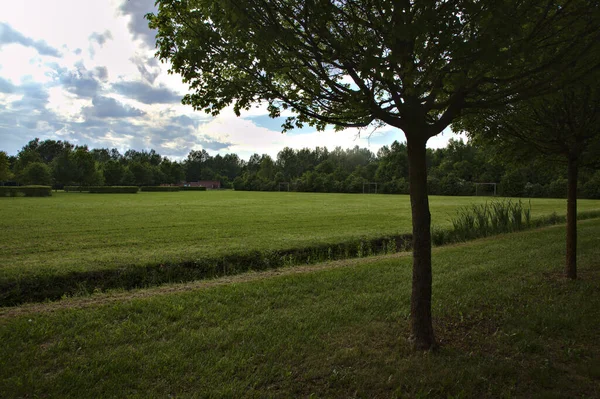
(509, 324)
(79, 233)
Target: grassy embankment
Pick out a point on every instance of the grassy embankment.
(509, 324)
(75, 243)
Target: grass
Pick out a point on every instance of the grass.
(81, 232)
(74, 243)
(510, 326)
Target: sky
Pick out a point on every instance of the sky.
(84, 71)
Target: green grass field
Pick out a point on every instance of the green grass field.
(72, 232)
(509, 324)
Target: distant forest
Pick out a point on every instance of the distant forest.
(453, 170)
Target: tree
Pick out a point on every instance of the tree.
(113, 172)
(414, 65)
(5, 173)
(36, 173)
(86, 170)
(563, 127)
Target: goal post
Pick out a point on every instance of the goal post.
(284, 186)
(369, 188)
(486, 189)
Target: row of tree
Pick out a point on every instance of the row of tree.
(453, 170)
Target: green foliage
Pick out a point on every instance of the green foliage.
(113, 172)
(166, 189)
(452, 170)
(481, 220)
(79, 189)
(113, 189)
(591, 188)
(25, 191)
(5, 173)
(188, 188)
(295, 56)
(36, 173)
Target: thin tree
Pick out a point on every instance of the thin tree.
(563, 127)
(415, 65)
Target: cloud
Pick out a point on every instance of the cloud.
(147, 94)
(6, 86)
(183, 120)
(147, 66)
(101, 72)
(138, 25)
(8, 35)
(80, 81)
(33, 101)
(100, 38)
(213, 145)
(107, 107)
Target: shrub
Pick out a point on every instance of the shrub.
(160, 188)
(535, 190)
(512, 184)
(192, 188)
(591, 189)
(557, 188)
(78, 189)
(25, 191)
(114, 189)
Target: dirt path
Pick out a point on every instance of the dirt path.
(123, 296)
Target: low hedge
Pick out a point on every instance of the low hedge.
(192, 188)
(25, 191)
(160, 188)
(113, 189)
(78, 189)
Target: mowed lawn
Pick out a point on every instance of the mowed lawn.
(510, 326)
(82, 232)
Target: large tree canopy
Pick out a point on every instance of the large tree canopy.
(415, 65)
(350, 63)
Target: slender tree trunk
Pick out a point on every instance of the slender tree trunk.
(420, 303)
(571, 261)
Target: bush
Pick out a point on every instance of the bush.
(558, 188)
(513, 184)
(192, 188)
(79, 189)
(591, 189)
(160, 189)
(535, 190)
(25, 191)
(114, 189)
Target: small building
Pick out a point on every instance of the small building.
(209, 184)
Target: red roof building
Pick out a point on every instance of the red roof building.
(209, 184)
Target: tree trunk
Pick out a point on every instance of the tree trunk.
(420, 303)
(571, 261)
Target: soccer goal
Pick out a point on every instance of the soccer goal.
(284, 186)
(485, 189)
(369, 188)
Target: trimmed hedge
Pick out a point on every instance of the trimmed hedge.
(25, 191)
(192, 188)
(78, 189)
(160, 188)
(113, 189)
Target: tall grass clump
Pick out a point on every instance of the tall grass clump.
(496, 217)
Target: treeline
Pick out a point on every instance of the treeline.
(453, 170)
